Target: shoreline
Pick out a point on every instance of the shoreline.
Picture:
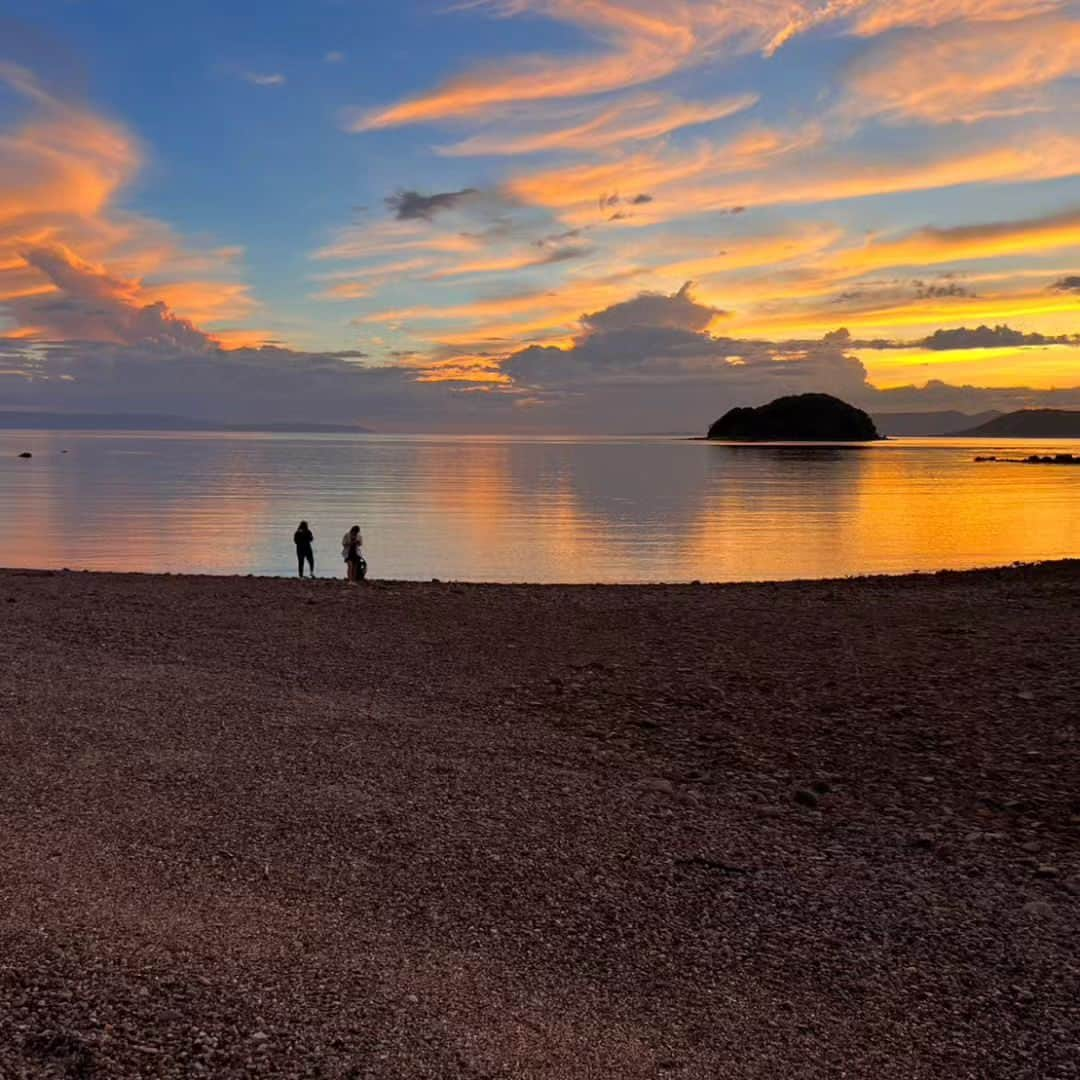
(1064, 563)
(749, 830)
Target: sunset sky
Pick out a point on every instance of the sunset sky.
(609, 215)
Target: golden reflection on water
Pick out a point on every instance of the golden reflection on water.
(504, 509)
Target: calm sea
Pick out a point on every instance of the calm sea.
(529, 509)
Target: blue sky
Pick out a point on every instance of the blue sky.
(889, 168)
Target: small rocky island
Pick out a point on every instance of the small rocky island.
(798, 418)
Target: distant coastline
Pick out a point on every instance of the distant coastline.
(57, 421)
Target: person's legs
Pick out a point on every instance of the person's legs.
(300, 563)
(310, 556)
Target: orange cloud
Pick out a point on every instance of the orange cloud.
(507, 264)
(746, 252)
(578, 190)
(965, 70)
(358, 242)
(641, 46)
(683, 185)
(62, 169)
(878, 16)
(875, 315)
(934, 246)
(632, 120)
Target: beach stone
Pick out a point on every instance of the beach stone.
(26, 454)
(806, 798)
(1038, 907)
(657, 784)
(1045, 870)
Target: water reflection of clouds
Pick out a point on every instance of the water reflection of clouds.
(518, 509)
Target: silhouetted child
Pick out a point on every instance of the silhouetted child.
(303, 538)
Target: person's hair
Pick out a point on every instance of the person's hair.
(303, 524)
(354, 530)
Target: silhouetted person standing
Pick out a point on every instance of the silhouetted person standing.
(355, 565)
(303, 538)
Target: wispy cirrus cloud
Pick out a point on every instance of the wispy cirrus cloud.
(966, 71)
(931, 246)
(592, 128)
(789, 171)
(274, 78)
(640, 44)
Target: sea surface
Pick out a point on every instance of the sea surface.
(489, 508)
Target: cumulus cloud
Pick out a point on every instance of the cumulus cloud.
(680, 311)
(63, 169)
(651, 363)
(644, 363)
(1069, 283)
(89, 304)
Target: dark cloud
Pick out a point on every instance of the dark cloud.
(640, 200)
(935, 290)
(409, 205)
(678, 311)
(986, 337)
(91, 305)
(563, 254)
(648, 363)
(1071, 283)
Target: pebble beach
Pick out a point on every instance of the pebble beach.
(257, 827)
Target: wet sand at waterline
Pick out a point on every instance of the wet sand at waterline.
(258, 827)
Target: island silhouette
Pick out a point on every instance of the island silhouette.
(797, 418)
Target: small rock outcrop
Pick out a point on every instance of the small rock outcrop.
(799, 418)
(26, 454)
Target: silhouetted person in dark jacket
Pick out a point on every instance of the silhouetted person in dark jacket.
(303, 538)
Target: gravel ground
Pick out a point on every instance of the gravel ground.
(258, 827)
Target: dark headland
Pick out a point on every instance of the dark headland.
(1030, 424)
(798, 418)
(259, 828)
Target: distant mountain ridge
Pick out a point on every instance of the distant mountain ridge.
(57, 421)
(1030, 424)
(947, 422)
